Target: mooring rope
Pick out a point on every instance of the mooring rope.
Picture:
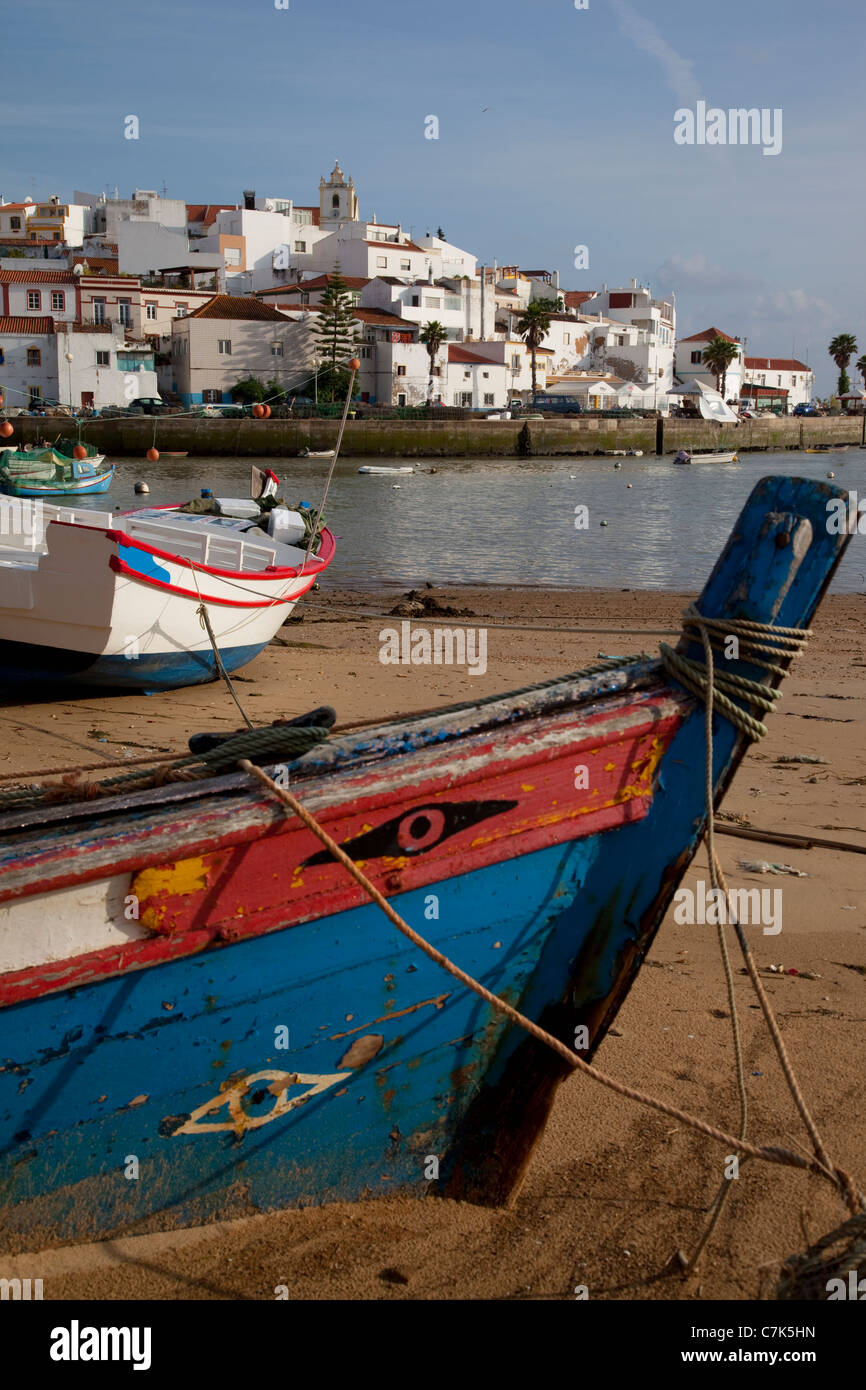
(773, 1154)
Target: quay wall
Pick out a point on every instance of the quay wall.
(430, 439)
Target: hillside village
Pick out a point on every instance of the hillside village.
(109, 300)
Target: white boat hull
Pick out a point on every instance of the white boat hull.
(103, 606)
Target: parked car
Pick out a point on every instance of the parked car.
(806, 408)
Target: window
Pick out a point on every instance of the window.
(15, 224)
(34, 299)
(335, 201)
(697, 356)
(103, 359)
(276, 349)
(232, 255)
(401, 371)
(382, 261)
(485, 374)
(58, 300)
(211, 397)
(58, 236)
(416, 301)
(34, 395)
(224, 346)
(181, 310)
(405, 265)
(401, 399)
(300, 246)
(566, 338)
(467, 375)
(778, 381)
(34, 357)
(124, 311)
(464, 398)
(488, 398)
(366, 352)
(433, 301)
(303, 217)
(99, 311)
(150, 309)
(515, 364)
(437, 371)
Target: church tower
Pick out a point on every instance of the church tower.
(338, 201)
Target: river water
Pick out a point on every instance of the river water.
(511, 521)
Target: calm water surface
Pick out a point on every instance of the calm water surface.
(510, 521)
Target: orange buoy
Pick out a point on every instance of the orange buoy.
(259, 411)
(6, 429)
(79, 452)
(267, 411)
(355, 364)
(152, 455)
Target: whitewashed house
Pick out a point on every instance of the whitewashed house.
(689, 362)
(772, 378)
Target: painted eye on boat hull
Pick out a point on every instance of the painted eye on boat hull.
(415, 832)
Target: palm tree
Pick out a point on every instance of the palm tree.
(432, 336)
(718, 356)
(860, 366)
(842, 349)
(533, 326)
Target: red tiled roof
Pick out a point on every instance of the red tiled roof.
(384, 317)
(17, 207)
(574, 298)
(230, 306)
(320, 282)
(707, 335)
(206, 213)
(89, 327)
(106, 263)
(398, 246)
(37, 277)
(776, 364)
(20, 323)
(459, 354)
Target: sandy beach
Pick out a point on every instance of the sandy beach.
(613, 1189)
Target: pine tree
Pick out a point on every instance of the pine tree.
(337, 336)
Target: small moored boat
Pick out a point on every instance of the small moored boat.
(97, 598)
(384, 472)
(54, 471)
(684, 456)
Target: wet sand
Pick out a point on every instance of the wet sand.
(613, 1189)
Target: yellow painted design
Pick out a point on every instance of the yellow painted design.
(526, 787)
(185, 876)
(151, 886)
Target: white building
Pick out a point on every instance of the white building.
(78, 365)
(777, 375)
(230, 338)
(634, 338)
(14, 220)
(690, 362)
(33, 293)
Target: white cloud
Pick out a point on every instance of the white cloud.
(645, 36)
(697, 273)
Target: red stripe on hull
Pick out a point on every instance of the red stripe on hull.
(475, 803)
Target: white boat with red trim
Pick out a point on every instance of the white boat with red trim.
(103, 599)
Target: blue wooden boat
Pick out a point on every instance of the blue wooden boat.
(202, 1016)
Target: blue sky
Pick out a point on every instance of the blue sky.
(576, 146)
